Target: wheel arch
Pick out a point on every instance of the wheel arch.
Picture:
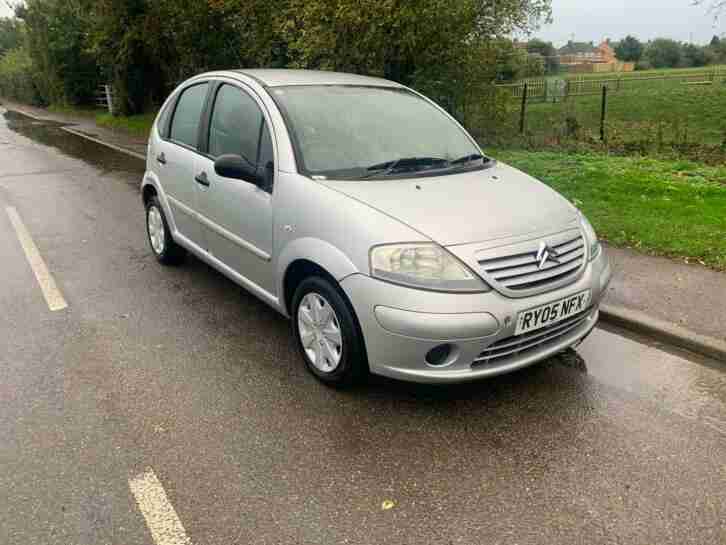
(150, 186)
(309, 256)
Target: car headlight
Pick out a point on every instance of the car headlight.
(423, 265)
(593, 244)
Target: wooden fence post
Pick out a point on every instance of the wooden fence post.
(523, 114)
(603, 112)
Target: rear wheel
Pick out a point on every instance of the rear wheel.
(162, 244)
(327, 333)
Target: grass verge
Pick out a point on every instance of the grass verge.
(661, 207)
(136, 125)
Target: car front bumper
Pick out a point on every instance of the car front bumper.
(401, 325)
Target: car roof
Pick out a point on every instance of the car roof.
(273, 77)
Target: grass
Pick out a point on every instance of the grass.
(694, 114)
(648, 73)
(135, 125)
(656, 116)
(83, 111)
(661, 207)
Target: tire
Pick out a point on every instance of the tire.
(166, 251)
(339, 366)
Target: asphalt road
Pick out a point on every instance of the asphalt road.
(181, 373)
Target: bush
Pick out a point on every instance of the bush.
(643, 65)
(16, 76)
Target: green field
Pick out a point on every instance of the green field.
(642, 73)
(647, 117)
(662, 207)
(683, 113)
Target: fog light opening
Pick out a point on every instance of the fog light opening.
(442, 355)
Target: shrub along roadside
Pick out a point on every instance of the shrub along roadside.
(16, 76)
(662, 207)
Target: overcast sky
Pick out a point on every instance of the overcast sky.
(598, 19)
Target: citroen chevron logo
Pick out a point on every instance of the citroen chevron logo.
(545, 254)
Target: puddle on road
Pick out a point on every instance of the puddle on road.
(49, 133)
(685, 384)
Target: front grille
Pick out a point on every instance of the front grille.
(520, 271)
(525, 343)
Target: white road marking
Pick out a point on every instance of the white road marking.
(47, 284)
(162, 520)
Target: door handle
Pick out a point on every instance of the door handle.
(161, 158)
(202, 179)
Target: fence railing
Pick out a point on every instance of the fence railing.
(546, 89)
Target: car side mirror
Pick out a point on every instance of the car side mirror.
(237, 168)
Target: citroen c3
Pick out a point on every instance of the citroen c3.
(364, 213)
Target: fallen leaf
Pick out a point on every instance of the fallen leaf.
(388, 504)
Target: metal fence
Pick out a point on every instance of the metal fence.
(554, 89)
(649, 114)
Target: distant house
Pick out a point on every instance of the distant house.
(589, 58)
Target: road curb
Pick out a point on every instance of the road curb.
(103, 143)
(666, 332)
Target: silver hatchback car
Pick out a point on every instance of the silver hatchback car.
(365, 213)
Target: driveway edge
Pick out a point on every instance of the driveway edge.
(666, 332)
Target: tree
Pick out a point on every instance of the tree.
(573, 48)
(715, 41)
(398, 38)
(122, 38)
(629, 49)
(696, 56)
(11, 34)
(547, 52)
(715, 7)
(718, 50)
(664, 53)
(64, 71)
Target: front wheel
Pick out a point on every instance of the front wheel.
(327, 333)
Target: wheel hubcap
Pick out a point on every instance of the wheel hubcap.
(320, 332)
(156, 230)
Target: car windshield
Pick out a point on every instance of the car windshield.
(357, 132)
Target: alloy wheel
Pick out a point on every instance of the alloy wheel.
(320, 332)
(156, 230)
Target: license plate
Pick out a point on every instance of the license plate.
(551, 313)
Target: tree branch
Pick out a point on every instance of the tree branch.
(715, 7)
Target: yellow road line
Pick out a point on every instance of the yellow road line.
(47, 284)
(162, 520)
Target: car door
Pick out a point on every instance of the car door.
(236, 214)
(177, 155)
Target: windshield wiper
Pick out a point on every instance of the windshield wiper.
(470, 159)
(413, 163)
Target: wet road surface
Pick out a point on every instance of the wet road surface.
(179, 372)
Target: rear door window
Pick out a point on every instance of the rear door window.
(188, 115)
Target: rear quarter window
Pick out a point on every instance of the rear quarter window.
(188, 115)
(162, 122)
